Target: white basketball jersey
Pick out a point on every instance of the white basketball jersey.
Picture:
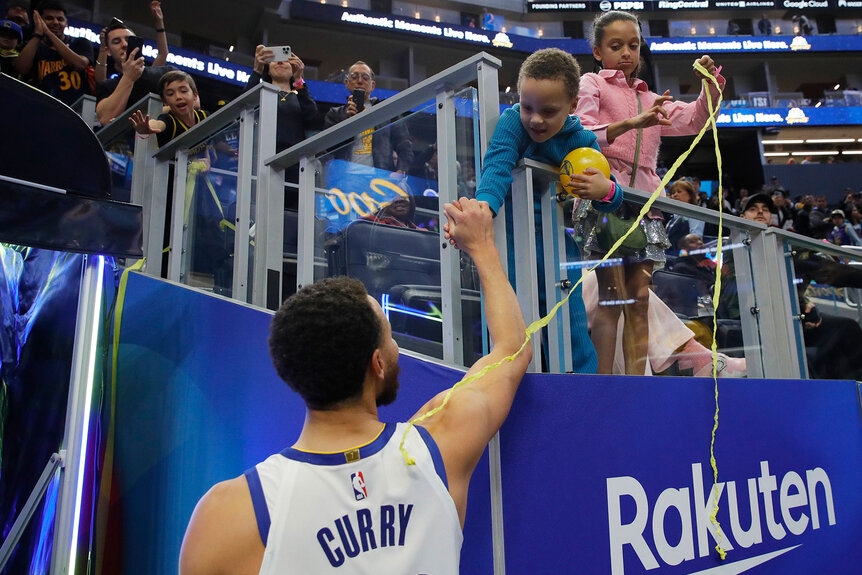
(358, 511)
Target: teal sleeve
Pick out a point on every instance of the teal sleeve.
(505, 149)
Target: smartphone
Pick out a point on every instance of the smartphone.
(282, 53)
(359, 99)
(133, 42)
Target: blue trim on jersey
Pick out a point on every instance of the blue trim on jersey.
(338, 458)
(261, 511)
(434, 451)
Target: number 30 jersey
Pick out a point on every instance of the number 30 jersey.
(359, 511)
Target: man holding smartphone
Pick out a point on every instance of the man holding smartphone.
(132, 80)
(373, 147)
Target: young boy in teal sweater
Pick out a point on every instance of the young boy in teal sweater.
(542, 128)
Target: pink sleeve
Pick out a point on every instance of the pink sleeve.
(589, 104)
(689, 118)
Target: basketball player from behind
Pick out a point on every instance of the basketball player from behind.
(342, 498)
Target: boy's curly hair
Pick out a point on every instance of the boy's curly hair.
(552, 64)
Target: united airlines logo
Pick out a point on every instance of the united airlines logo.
(359, 490)
(775, 507)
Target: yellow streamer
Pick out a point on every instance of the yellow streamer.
(722, 552)
(108, 464)
(543, 322)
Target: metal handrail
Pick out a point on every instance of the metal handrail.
(121, 123)
(663, 203)
(815, 244)
(453, 77)
(214, 123)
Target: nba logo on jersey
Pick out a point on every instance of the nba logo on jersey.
(358, 482)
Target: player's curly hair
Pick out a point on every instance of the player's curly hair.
(552, 64)
(321, 340)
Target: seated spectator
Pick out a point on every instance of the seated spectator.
(19, 12)
(693, 261)
(179, 93)
(58, 63)
(825, 335)
(820, 221)
(679, 226)
(783, 215)
(842, 233)
(133, 79)
(758, 208)
(802, 221)
(373, 147)
(11, 36)
(104, 61)
(400, 212)
(854, 218)
(764, 26)
(740, 199)
(803, 24)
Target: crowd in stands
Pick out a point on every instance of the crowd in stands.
(34, 47)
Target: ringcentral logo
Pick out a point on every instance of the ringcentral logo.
(797, 507)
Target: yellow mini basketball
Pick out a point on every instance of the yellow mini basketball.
(579, 160)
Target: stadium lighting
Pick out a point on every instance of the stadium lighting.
(832, 141)
(851, 152)
(775, 154)
(836, 86)
(779, 142)
(816, 153)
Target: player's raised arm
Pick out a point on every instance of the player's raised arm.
(476, 411)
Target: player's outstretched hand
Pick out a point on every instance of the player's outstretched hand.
(470, 224)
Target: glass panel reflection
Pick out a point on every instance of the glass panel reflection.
(828, 291)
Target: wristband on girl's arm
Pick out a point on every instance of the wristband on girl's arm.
(611, 194)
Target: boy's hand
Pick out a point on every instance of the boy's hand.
(655, 115)
(141, 123)
(470, 224)
(591, 185)
(707, 63)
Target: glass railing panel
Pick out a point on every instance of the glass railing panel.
(379, 224)
(120, 151)
(826, 289)
(210, 201)
(649, 307)
(468, 152)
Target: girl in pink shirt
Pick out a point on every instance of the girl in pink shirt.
(629, 121)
